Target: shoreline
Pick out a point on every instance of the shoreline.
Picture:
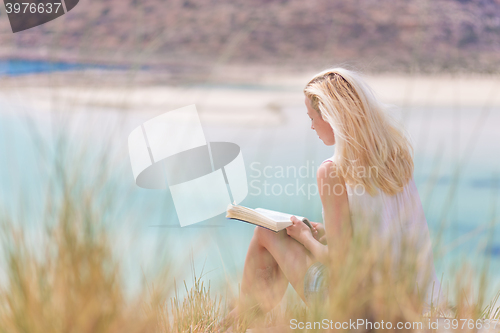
(232, 96)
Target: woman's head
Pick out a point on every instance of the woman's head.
(366, 138)
(322, 127)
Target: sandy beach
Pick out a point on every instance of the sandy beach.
(236, 97)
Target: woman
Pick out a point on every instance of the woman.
(344, 113)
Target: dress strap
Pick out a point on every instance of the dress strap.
(328, 160)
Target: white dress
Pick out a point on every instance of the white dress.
(393, 217)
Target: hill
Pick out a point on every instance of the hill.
(376, 35)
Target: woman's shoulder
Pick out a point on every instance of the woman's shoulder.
(329, 172)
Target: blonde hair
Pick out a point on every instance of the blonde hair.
(366, 136)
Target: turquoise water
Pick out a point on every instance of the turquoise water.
(16, 67)
(143, 225)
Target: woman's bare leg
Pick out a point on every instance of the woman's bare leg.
(273, 260)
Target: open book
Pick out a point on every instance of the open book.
(265, 218)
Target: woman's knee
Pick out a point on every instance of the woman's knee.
(263, 235)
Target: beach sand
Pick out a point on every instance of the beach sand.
(234, 98)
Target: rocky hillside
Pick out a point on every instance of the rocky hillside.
(375, 35)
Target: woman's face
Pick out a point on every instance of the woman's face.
(322, 127)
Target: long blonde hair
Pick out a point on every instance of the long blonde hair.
(366, 136)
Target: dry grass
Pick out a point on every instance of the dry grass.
(198, 311)
(69, 281)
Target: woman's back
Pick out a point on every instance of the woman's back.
(394, 218)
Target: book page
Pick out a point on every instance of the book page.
(277, 216)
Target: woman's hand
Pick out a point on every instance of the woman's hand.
(299, 230)
(319, 232)
(309, 237)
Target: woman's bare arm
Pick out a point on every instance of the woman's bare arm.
(336, 212)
